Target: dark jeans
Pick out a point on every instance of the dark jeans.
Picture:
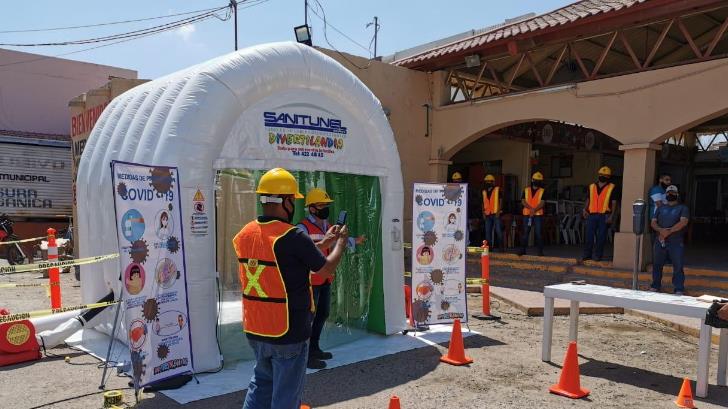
(674, 249)
(278, 375)
(322, 300)
(493, 225)
(595, 224)
(537, 224)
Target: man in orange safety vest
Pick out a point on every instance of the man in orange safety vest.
(533, 210)
(599, 212)
(492, 209)
(275, 260)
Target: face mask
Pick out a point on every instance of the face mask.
(671, 198)
(489, 186)
(664, 185)
(536, 183)
(289, 214)
(322, 214)
(604, 179)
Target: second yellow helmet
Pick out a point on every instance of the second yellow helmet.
(605, 170)
(316, 196)
(537, 176)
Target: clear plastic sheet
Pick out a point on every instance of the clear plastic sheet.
(352, 292)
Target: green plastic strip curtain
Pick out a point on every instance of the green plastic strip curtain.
(357, 299)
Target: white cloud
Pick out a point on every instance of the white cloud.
(186, 31)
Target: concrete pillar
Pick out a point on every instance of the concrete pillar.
(438, 170)
(639, 176)
(440, 90)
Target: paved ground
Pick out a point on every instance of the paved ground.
(627, 362)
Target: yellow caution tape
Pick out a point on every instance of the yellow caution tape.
(479, 281)
(14, 285)
(42, 313)
(22, 241)
(52, 264)
(469, 249)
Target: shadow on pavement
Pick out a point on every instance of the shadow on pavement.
(646, 379)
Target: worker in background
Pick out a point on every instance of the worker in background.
(669, 223)
(456, 177)
(533, 204)
(492, 208)
(316, 226)
(657, 198)
(276, 259)
(599, 211)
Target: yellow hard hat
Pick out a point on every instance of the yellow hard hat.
(604, 170)
(316, 195)
(278, 181)
(489, 178)
(537, 176)
(457, 175)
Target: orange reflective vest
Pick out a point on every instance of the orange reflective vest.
(599, 201)
(316, 234)
(265, 300)
(491, 204)
(533, 200)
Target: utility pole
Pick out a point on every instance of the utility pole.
(305, 12)
(376, 34)
(234, 6)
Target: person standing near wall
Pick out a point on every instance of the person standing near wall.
(316, 226)
(492, 209)
(599, 211)
(657, 198)
(276, 259)
(669, 224)
(533, 211)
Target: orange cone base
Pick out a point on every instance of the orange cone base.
(457, 362)
(560, 391)
(304, 406)
(686, 403)
(394, 403)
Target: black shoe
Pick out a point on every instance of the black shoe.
(521, 252)
(319, 354)
(585, 258)
(540, 253)
(314, 363)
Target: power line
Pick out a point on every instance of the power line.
(248, 5)
(323, 19)
(111, 23)
(326, 24)
(162, 27)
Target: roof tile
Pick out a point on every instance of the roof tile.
(564, 15)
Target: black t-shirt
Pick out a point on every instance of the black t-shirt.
(297, 256)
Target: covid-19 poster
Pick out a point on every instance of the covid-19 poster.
(154, 285)
(438, 253)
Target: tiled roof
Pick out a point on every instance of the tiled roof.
(565, 15)
(35, 135)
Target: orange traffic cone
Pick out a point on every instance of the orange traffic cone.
(456, 352)
(569, 384)
(394, 402)
(685, 397)
(304, 406)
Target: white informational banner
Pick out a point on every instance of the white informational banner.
(154, 290)
(438, 253)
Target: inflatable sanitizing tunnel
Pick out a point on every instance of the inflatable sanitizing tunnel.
(223, 123)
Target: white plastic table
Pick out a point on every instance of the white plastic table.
(643, 301)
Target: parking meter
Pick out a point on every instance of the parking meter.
(638, 217)
(638, 227)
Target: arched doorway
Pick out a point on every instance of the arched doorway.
(568, 155)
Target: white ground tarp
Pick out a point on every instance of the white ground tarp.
(219, 114)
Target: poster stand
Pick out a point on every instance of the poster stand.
(102, 386)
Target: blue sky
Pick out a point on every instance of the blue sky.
(404, 23)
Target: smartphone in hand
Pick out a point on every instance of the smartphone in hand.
(342, 218)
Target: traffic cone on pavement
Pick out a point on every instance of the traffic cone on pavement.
(569, 384)
(304, 406)
(685, 397)
(394, 402)
(456, 352)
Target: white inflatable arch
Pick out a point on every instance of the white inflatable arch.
(214, 116)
